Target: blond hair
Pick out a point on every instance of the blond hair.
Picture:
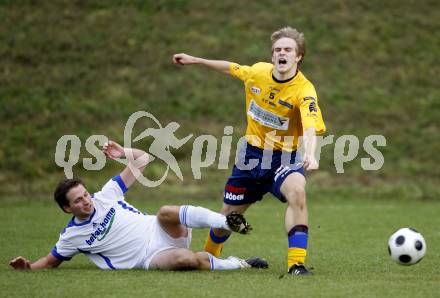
(294, 34)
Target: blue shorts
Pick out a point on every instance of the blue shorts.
(257, 172)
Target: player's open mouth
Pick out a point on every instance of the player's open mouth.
(282, 61)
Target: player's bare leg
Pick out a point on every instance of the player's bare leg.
(180, 259)
(296, 222)
(168, 217)
(293, 190)
(185, 259)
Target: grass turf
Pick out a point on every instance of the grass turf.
(347, 251)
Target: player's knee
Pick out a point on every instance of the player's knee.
(165, 213)
(296, 196)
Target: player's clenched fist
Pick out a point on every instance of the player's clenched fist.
(20, 263)
(184, 59)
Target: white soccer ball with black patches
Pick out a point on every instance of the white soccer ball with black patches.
(407, 246)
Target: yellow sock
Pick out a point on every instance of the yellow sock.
(295, 256)
(214, 247)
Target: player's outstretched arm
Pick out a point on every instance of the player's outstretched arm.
(218, 65)
(21, 263)
(137, 160)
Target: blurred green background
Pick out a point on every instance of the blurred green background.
(83, 67)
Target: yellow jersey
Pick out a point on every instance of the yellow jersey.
(278, 112)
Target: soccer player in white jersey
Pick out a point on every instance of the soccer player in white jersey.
(115, 235)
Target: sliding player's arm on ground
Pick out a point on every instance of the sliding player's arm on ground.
(49, 261)
(218, 65)
(137, 160)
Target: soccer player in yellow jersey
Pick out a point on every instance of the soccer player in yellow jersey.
(281, 106)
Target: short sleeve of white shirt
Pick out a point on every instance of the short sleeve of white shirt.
(113, 190)
(64, 250)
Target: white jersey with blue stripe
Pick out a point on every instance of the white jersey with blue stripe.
(114, 237)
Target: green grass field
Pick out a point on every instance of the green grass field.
(348, 253)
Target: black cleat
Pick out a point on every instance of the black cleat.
(258, 263)
(299, 269)
(237, 223)
(250, 263)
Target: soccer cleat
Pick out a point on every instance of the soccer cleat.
(299, 269)
(250, 263)
(258, 263)
(237, 223)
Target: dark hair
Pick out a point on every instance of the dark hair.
(63, 188)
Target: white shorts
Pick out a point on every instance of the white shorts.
(159, 241)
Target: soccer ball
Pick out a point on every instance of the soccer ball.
(407, 246)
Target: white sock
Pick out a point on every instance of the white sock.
(199, 217)
(226, 264)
